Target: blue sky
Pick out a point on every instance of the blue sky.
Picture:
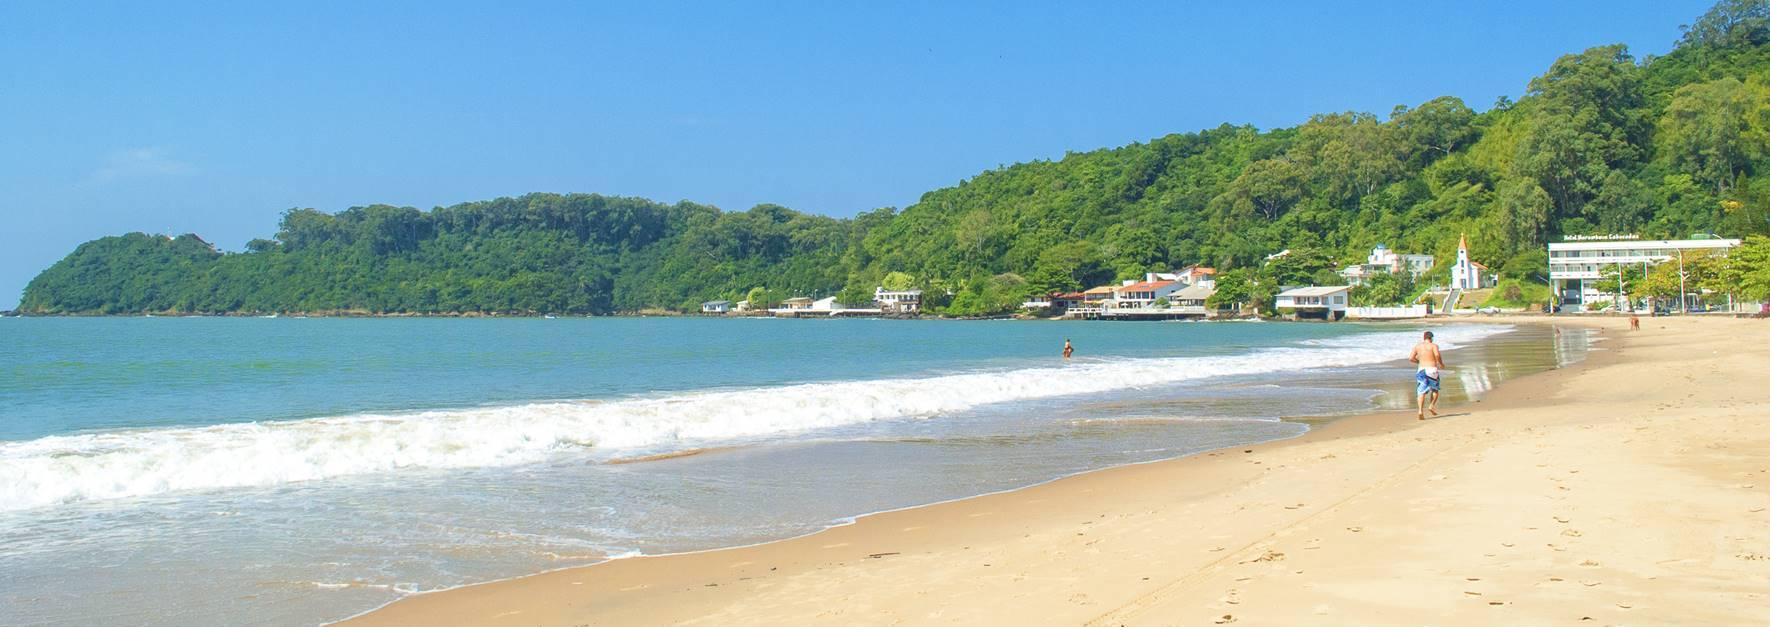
(213, 119)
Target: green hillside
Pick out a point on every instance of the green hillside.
(1601, 143)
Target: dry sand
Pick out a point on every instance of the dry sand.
(1632, 488)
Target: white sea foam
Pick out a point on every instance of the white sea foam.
(64, 469)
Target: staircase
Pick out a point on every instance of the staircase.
(1450, 301)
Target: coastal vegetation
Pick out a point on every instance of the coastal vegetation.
(1601, 143)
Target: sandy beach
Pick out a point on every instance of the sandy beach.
(1631, 488)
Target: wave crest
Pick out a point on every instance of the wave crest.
(123, 464)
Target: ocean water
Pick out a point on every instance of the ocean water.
(291, 471)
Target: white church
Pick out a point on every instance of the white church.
(1466, 274)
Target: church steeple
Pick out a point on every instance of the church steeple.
(1464, 274)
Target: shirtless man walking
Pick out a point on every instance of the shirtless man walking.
(1426, 378)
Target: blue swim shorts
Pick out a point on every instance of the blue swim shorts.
(1423, 383)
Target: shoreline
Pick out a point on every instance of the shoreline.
(685, 586)
(1479, 317)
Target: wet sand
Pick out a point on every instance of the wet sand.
(1633, 487)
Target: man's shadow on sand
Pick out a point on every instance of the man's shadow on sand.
(1443, 416)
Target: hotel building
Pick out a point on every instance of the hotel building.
(1576, 266)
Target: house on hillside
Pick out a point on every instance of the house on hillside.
(898, 301)
(1197, 275)
(1139, 294)
(1382, 259)
(716, 307)
(1327, 302)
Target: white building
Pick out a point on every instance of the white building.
(1327, 301)
(1466, 274)
(1136, 294)
(1576, 266)
(898, 301)
(1192, 298)
(1198, 275)
(1382, 259)
(716, 306)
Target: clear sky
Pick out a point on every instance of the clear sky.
(214, 118)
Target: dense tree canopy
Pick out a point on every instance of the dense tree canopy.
(1602, 142)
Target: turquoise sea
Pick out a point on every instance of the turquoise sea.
(291, 471)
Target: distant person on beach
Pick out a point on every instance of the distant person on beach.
(1067, 349)
(1426, 378)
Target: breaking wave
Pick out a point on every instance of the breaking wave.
(123, 464)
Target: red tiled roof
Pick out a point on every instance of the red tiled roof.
(1145, 286)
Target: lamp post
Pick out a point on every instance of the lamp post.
(1681, 297)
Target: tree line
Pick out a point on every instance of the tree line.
(1601, 142)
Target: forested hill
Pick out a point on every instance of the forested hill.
(1601, 143)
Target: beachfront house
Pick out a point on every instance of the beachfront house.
(1381, 260)
(716, 307)
(1141, 294)
(1327, 301)
(797, 303)
(1576, 265)
(898, 301)
(1191, 299)
(1098, 295)
(1062, 301)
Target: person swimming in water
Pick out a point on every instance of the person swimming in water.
(1067, 349)
(1426, 378)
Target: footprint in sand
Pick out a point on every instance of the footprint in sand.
(1269, 556)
